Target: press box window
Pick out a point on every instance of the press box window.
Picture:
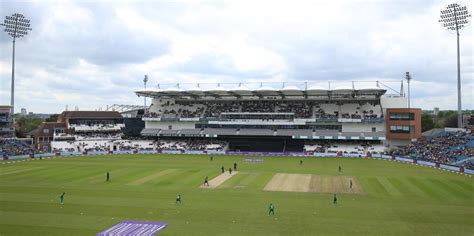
(402, 116)
(402, 129)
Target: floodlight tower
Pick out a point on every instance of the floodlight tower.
(456, 17)
(16, 26)
(145, 80)
(408, 78)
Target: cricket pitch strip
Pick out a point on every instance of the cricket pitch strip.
(313, 183)
(218, 180)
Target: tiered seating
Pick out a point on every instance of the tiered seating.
(350, 111)
(96, 127)
(215, 109)
(194, 144)
(190, 131)
(371, 111)
(150, 132)
(135, 145)
(326, 111)
(353, 147)
(443, 148)
(301, 109)
(168, 132)
(258, 106)
(12, 146)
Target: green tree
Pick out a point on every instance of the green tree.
(23, 125)
(53, 118)
(451, 121)
(427, 122)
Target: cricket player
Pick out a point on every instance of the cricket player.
(222, 169)
(301, 162)
(271, 209)
(235, 166)
(350, 184)
(334, 201)
(61, 198)
(340, 169)
(178, 199)
(108, 176)
(206, 182)
(230, 171)
(212, 158)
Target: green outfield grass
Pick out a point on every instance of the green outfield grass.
(396, 198)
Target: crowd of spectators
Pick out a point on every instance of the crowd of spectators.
(12, 146)
(98, 136)
(215, 109)
(445, 148)
(126, 145)
(469, 165)
(321, 114)
(301, 109)
(96, 126)
(198, 109)
(351, 116)
(258, 106)
(192, 144)
(352, 147)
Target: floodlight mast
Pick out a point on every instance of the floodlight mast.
(456, 17)
(145, 80)
(408, 78)
(16, 26)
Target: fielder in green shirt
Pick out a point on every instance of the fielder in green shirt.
(61, 198)
(271, 209)
(178, 199)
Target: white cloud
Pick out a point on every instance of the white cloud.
(92, 54)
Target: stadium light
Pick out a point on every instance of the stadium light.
(456, 17)
(408, 78)
(145, 80)
(16, 26)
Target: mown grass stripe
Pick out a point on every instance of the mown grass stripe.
(425, 186)
(15, 229)
(248, 179)
(454, 191)
(27, 175)
(3, 173)
(464, 185)
(45, 176)
(260, 181)
(170, 178)
(391, 189)
(51, 220)
(196, 177)
(400, 186)
(153, 176)
(377, 186)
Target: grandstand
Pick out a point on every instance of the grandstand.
(270, 119)
(87, 131)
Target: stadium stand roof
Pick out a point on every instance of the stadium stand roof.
(91, 115)
(242, 90)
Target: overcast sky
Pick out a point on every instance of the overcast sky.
(91, 54)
